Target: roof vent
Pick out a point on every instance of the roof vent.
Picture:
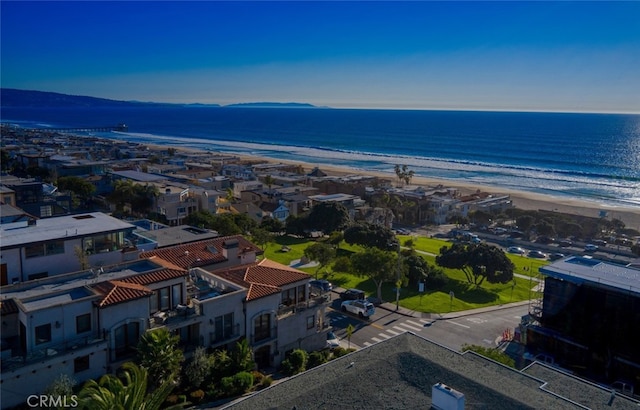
(444, 397)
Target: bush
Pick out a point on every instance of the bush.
(266, 381)
(243, 382)
(295, 363)
(197, 396)
(257, 377)
(317, 358)
(437, 279)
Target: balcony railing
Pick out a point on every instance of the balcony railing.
(286, 310)
(216, 339)
(17, 361)
(180, 314)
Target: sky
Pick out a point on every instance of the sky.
(515, 56)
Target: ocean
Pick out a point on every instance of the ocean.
(593, 157)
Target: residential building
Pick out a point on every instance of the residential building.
(40, 248)
(408, 372)
(587, 319)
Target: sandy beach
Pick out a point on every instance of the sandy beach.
(521, 199)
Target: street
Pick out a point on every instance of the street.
(483, 329)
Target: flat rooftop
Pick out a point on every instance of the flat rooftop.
(62, 227)
(177, 235)
(580, 269)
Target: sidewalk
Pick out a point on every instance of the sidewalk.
(391, 307)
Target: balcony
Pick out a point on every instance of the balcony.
(219, 338)
(174, 317)
(19, 360)
(287, 310)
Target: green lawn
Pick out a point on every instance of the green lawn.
(431, 301)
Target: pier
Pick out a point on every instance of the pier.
(109, 128)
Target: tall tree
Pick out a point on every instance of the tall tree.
(378, 265)
(478, 262)
(328, 217)
(321, 252)
(241, 357)
(110, 392)
(371, 235)
(159, 354)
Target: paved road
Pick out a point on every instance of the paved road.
(483, 328)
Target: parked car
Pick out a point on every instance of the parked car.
(332, 340)
(515, 249)
(353, 294)
(565, 243)
(556, 256)
(320, 286)
(537, 254)
(362, 308)
(544, 240)
(590, 247)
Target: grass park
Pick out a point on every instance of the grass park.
(466, 296)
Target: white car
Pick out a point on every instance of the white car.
(516, 249)
(362, 308)
(332, 340)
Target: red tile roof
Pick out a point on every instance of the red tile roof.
(116, 291)
(200, 253)
(156, 276)
(262, 278)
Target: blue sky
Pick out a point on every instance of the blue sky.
(540, 56)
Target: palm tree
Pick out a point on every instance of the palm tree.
(159, 354)
(110, 392)
(241, 357)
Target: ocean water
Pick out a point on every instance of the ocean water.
(593, 157)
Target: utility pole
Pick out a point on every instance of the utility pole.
(398, 282)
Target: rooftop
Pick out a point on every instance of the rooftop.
(398, 374)
(580, 269)
(177, 235)
(62, 227)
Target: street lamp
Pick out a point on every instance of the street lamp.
(398, 282)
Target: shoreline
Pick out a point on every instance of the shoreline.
(521, 199)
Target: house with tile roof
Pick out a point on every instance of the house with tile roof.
(277, 314)
(87, 323)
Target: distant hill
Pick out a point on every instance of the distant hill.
(273, 105)
(11, 97)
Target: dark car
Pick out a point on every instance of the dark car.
(352, 294)
(556, 256)
(565, 243)
(320, 286)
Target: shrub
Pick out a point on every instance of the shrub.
(266, 381)
(317, 358)
(197, 396)
(257, 377)
(243, 381)
(200, 368)
(295, 363)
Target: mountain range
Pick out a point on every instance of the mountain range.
(11, 97)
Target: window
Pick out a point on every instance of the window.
(163, 298)
(43, 333)
(311, 321)
(126, 339)
(262, 325)
(80, 364)
(45, 211)
(176, 295)
(32, 251)
(38, 275)
(301, 293)
(83, 323)
(54, 248)
(288, 297)
(223, 328)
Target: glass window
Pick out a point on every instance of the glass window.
(262, 327)
(228, 325)
(83, 323)
(55, 247)
(288, 297)
(80, 364)
(164, 298)
(153, 302)
(126, 339)
(43, 333)
(311, 321)
(32, 251)
(301, 293)
(176, 295)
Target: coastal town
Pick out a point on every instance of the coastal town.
(107, 241)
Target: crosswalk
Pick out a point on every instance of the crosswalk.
(412, 325)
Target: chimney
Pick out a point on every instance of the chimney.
(230, 249)
(444, 397)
